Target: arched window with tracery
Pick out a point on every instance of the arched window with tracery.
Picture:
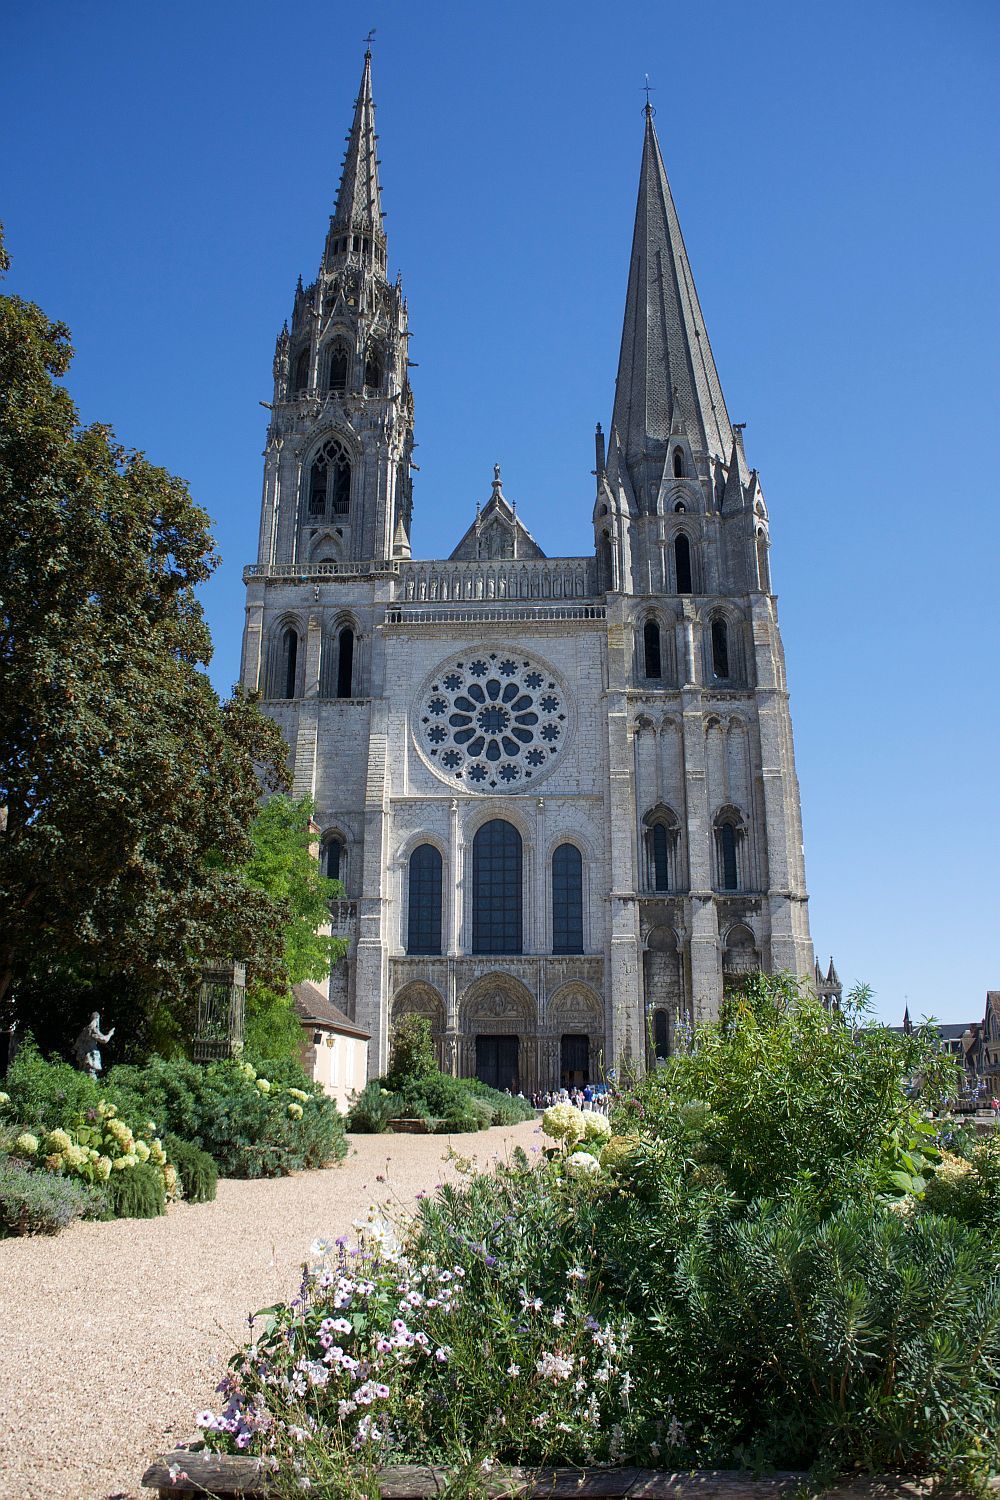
(567, 900)
(338, 368)
(496, 888)
(300, 380)
(345, 662)
(652, 659)
(423, 929)
(720, 647)
(682, 563)
(330, 481)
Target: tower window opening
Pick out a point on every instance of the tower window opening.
(357, 243)
(301, 380)
(567, 900)
(423, 927)
(728, 874)
(661, 1035)
(651, 649)
(682, 563)
(680, 508)
(678, 464)
(373, 371)
(661, 858)
(720, 648)
(333, 860)
(290, 652)
(338, 370)
(345, 662)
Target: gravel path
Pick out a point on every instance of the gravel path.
(113, 1335)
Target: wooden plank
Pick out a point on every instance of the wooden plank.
(225, 1477)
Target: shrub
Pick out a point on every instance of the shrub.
(791, 1091)
(136, 1194)
(240, 1118)
(196, 1170)
(508, 1109)
(46, 1094)
(371, 1109)
(39, 1203)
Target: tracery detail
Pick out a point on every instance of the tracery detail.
(492, 720)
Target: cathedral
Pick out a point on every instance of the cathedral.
(559, 792)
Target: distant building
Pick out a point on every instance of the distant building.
(334, 1049)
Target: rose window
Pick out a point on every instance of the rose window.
(492, 719)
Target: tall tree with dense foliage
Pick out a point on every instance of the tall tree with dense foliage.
(128, 789)
(283, 866)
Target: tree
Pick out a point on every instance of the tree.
(127, 788)
(284, 868)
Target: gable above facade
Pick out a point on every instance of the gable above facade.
(497, 532)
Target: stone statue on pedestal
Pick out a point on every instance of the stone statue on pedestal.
(87, 1047)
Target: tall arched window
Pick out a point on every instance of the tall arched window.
(333, 859)
(720, 648)
(662, 834)
(423, 932)
(496, 888)
(682, 563)
(678, 464)
(728, 872)
(337, 380)
(661, 1034)
(373, 370)
(567, 900)
(289, 662)
(651, 648)
(301, 379)
(345, 662)
(330, 482)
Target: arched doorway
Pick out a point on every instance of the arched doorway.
(498, 1041)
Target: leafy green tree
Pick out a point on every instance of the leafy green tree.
(127, 788)
(283, 867)
(413, 1054)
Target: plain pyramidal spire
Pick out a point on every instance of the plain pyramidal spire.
(666, 372)
(359, 197)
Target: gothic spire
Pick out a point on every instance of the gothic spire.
(666, 372)
(359, 197)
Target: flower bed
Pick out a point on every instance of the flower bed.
(625, 1298)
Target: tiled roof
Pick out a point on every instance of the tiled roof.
(314, 1009)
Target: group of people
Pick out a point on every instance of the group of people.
(586, 1097)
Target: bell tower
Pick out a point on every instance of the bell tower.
(337, 483)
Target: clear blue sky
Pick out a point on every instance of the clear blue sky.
(168, 171)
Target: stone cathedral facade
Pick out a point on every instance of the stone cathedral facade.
(560, 792)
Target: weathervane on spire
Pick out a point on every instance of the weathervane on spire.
(648, 89)
(368, 40)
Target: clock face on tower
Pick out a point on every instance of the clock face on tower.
(490, 721)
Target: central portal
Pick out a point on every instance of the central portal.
(496, 1062)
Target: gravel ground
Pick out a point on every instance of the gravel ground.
(113, 1335)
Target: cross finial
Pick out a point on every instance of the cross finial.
(648, 89)
(368, 40)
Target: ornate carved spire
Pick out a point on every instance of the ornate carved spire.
(667, 378)
(356, 224)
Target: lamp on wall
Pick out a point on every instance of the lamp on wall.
(317, 1039)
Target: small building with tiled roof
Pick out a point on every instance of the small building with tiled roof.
(334, 1048)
